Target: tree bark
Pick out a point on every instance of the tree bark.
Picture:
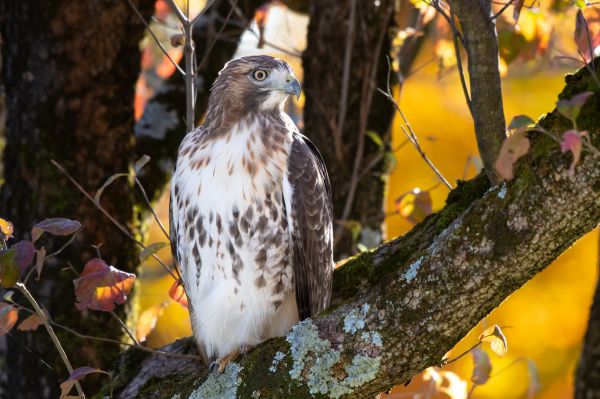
(69, 69)
(344, 64)
(399, 308)
(587, 381)
(481, 43)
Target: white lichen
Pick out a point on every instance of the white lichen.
(278, 357)
(307, 346)
(255, 394)
(411, 273)
(220, 386)
(355, 319)
(502, 192)
(176, 396)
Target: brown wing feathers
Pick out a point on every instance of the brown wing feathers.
(312, 225)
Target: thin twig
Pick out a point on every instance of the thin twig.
(109, 216)
(38, 310)
(508, 4)
(367, 94)
(162, 227)
(125, 328)
(217, 37)
(141, 17)
(461, 72)
(410, 135)
(52, 254)
(113, 341)
(337, 133)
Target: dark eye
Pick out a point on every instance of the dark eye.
(259, 75)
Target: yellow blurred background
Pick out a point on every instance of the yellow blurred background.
(544, 322)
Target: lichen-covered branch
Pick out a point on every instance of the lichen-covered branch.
(479, 33)
(399, 308)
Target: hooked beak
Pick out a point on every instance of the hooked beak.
(292, 86)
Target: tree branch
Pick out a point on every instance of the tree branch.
(481, 43)
(399, 308)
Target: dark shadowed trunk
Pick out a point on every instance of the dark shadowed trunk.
(587, 381)
(344, 63)
(69, 73)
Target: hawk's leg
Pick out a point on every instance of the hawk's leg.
(218, 366)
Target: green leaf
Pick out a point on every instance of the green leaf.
(521, 122)
(151, 250)
(107, 183)
(140, 163)
(581, 4)
(375, 137)
(9, 268)
(571, 108)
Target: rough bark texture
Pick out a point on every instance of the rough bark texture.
(162, 126)
(479, 33)
(336, 122)
(587, 381)
(399, 308)
(69, 69)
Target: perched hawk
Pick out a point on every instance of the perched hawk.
(251, 217)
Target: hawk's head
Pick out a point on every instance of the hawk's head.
(251, 84)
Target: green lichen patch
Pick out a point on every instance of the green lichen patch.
(322, 367)
(220, 386)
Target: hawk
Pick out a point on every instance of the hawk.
(251, 214)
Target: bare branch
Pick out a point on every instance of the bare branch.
(158, 43)
(480, 41)
(111, 218)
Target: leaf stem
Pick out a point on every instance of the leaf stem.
(38, 310)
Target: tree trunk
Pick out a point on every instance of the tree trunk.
(69, 73)
(399, 308)
(344, 64)
(587, 382)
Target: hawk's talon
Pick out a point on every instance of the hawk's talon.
(214, 368)
(218, 366)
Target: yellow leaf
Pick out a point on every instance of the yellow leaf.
(147, 321)
(496, 338)
(6, 228)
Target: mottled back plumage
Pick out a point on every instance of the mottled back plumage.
(250, 212)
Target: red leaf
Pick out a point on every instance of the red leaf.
(513, 148)
(77, 375)
(24, 251)
(571, 141)
(56, 226)
(147, 321)
(177, 293)
(30, 324)
(517, 10)
(588, 39)
(8, 317)
(101, 286)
